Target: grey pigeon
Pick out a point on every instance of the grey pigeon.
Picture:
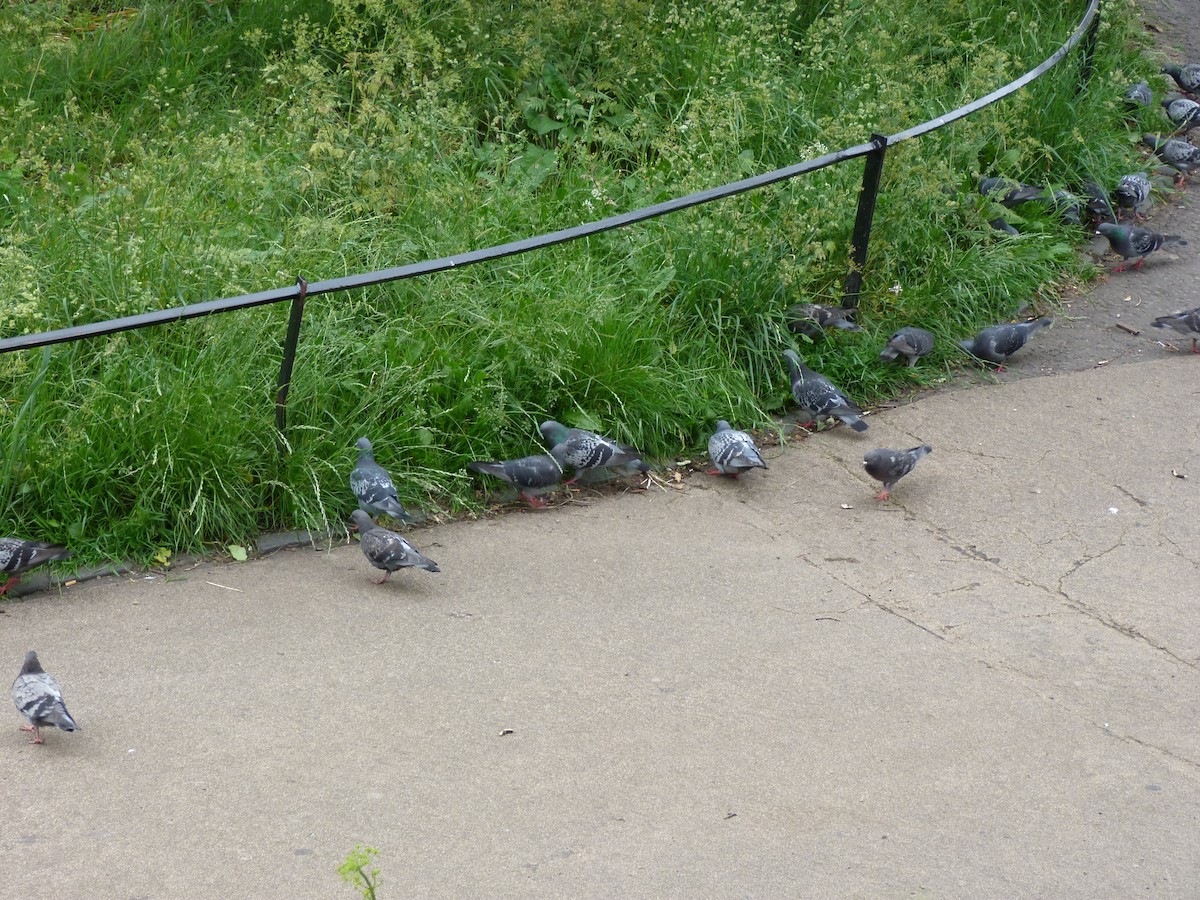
(18, 556)
(1184, 113)
(1186, 76)
(1008, 192)
(1136, 243)
(39, 699)
(531, 474)
(817, 396)
(1137, 95)
(732, 452)
(813, 318)
(387, 550)
(1186, 323)
(910, 343)
(1132, 192)
(1179, 155)
(1000, 225)
(1067, 206)
(889, 466)
(373, 486)
(582, 450)
(999, 342)
(1097, 208)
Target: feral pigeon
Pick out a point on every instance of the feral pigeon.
(1008, 192)
(39, 699)
(575, 448)
(1097, 208)
(1132, 191)
(817, 396)
(908, 342)
(813, 318)
(373, 486)
(531, 474)
(387, 550)
(17, 557)
(1137, 95)
(1186, 76)
(1000, 225)
(889, 466)
(1186, 323)
(1136, 243)
(1179, 155)
(732, 452)
(1183, 112)
(999, 342)
(1068, 207)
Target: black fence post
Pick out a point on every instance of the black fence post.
(289, 359)
(1089, 51)
(862, 222)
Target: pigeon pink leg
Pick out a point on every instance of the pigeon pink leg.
(883, 495)
(37, 735)
(8, 584)
(536, 502)
(386, 573)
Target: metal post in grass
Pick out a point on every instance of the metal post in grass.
(862, 222)
(289, 358)
(1088, 66)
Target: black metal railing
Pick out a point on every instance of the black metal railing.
(874, 150)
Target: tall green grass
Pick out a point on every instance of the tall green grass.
(169, 153)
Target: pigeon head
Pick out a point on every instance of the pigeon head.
(31, 666)
(1111, 231)
(362, 521)
(553, 432)
(1152, 141)
(363, 444)
(722, 425)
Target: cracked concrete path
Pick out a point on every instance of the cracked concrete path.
(777, 687)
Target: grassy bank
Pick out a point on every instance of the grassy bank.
(169, 153)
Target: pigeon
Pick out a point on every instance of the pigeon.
(1008, 192)
(1132, 191)
(1136, 243)
(817, 397)
(1186, 76)
(387, 550)
(999, 342)
(17, 557)
(531, 474)
(732, 452)
(1098, 208)
(39, 699)
(1183, 112)
(582, 450)
(812, 318)
(1068, 207)
(1000, 225)
(889, 466)
(1137, 95)
(908, 342)
(373, 487)
(1179, 155)
(1186, 323)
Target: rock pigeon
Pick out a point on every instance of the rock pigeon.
(1067, 207)
(817, 397)
(1183, 112)
(1137, 95)
(732, 452)
(1000, 225)
(813, 318)
(1132, 192)
(1186, 76)
(17, 557)
(1008, 192)
(531, 474)
(1179, 155)
(373, 486)
(999, 342)
(911, 343)
(1136, 243)
(1097, 209)
(1186, 323)
(889, 466)
(582, 450)
(39, 699)
(387, 550)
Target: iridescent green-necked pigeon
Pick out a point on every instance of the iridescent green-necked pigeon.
(889, 466)
(998, 342)
(387, 550)
(18, 556)
(812, 318)
(373, 486)
(1136, 243)
(533, 475)
(1179, 155)
(575, 448)
(1186, 76)
(911, 343)
(1186, 323)
(39, 699)
(817, 396)
(732, 452)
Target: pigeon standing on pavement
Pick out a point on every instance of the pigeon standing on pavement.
(812, 318)
(387, 550)
(1179, 155)
(1186, 323)
(18, 556)
(911, 343)
(817, 396)
(732, 452)
(1186, 76)
(531, 474)
(999, 342)
(1136, 243)
(373, 486)
(1137, 95)
(582, 450)
(39, 699)
(889, 466)
(1132, 192)
(1184, 113)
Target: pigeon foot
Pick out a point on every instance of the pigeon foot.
(37, 735)
(8, 584)
(536, 502)
(381, 580)
(883, 495)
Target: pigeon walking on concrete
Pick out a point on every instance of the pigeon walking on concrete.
(817, 396)
(732, 452)
(1010, 193)
(1179, 155)
(1137, 96)
(911, 343)
(1186, 76)
(1136, 243)
(1186, 323)
(39, 699)
(812, 318)
(575, 448)
(18, 556)
(889, 466)
(1132, 192)
(387, 550)
(1184, 113)
(373, 486)
(532, 475)
(999, 342)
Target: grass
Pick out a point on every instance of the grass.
(157, 154)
